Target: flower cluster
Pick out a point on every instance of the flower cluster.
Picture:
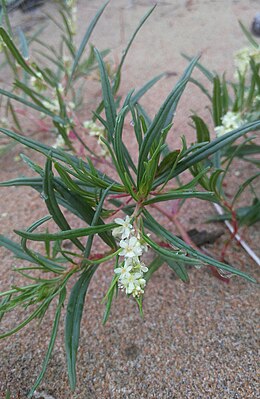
(53, 105)
(131, 271)
(99, 132)
(230, 121)
(242, 59)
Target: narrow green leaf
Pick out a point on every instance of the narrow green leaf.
(173, 240)
(118, 72)
(15, 52)
(18, 251)
(177, 194)
(52, 204)
(167, 162)
(139, 94)
(72, 160)
(202, 130)
(217, 102)
(206, 72)
(37, 258)
(179, 269)
(84, 43)
(31, 105)
(108, 98)
(32, 316)
(202, 88)
(210, 148)
(51, 343)
(73, 320)
(174, 255)
(163, 118)
(23, 44)
(109, 298)
(215, 182)
(117, 79)
(248, 35)
(4, 301)
(95, 221)
(119, 149)
(4, 15)
(66, 235)
(243, 186)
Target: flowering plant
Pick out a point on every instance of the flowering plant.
(233, 104)
(47, 80)
(113, 201)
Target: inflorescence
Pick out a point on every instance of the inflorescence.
(131, 270)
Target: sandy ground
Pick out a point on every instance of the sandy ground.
(197, 340)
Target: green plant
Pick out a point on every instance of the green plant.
(97, 199)
(232, 105)
(50, 80)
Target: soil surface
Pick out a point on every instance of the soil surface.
(195, 341)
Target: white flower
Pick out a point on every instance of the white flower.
(130, 282)
(59, 143)
(242, 59)
(131, 270)
(131, 248)
(143, 268)
(136, 264)
(52, 105)
(124, 229)
(230, 121)
(94, 129)
(220, 130)
(123, 271)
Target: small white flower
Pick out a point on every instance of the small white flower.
(130, 282)
(123, 271)
(124, 229)
(230, 121)
(143, 268)
(59, 143)
(130, 275)
(94, 129)
(243, 57)
(131, 248)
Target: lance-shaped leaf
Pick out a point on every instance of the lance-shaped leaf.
(162, 119)
(109, 103)
(95, 221)
(178, 268)
(73, 320)
(68, 234)
(57, 154)
(181, 194)
(51, 343)
(217, 101)
(202, 130)
(177, 242)
(32, 105)
(209, 149)
(117, 78)
(37, 258)
(84, 42)
(73, 202)
(52, 204)
(120, 150)
(15, 52)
